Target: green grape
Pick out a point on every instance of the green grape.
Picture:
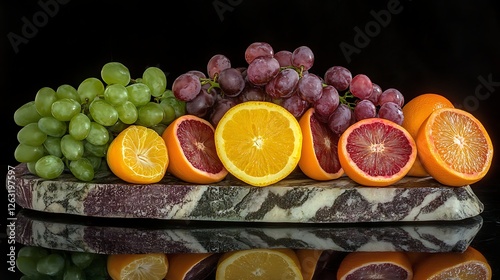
(67, 91)
(89, 89)
(26, 153)
(103, 113)
(27, 266)
(71, 148)
(82, 259)
(32, 251)
(26, 114)
(127, 112)
(97, 269)
(49, 167)
(79, 126)
(52, 127)
(31, 135)
(31, 167)
(118, 127)
(73, 273)
(82, 169)
(159, 128)
(115, 73)
(139, 94)
(94, 161)
(51, 264)
(44, 99)
(155, 79)
(167, 93)
(98, 134)
(64, 109)
(178, 105)
(168, 113)
(53, 146)
(150, 114)
(95, 150)
(115, 94)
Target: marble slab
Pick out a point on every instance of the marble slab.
(296, 199)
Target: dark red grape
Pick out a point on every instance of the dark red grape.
(258, 49)
(186, 87)
(361, 86)
(303, 57)
(231, 82)
(340, 119)
(391, 95)
(310, 87)
(262, 70)
(364, 109)
(391, 111)
(339, 77)
(327, 103)
(216, 64)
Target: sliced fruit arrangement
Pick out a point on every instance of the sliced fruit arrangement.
(137, 266)
(375, 265)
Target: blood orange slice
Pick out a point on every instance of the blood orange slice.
(376, 152)
(191, 150)
(319, 158)
(375, 265)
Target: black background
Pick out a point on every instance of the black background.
(445, 47)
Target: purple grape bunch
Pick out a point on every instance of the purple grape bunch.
(339, 98)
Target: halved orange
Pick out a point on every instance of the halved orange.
(138, 155)
(190, 265)
(319, 159)
(258, 264)
(191, 149)
(375, 265)
(454, 147)
(149, 266)
(258, 142)
(467, 265)
(376, 152)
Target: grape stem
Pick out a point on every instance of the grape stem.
(348, 99)
(213, 83)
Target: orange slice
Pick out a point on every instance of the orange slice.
(258, 264)
(415, 113)
(190, 265)
(191, 149)
(138, 155)
(258, 142)
(469, 265)
(454, 147)
(376, 152)
(319, 158)
(148, 266)
(375, 265)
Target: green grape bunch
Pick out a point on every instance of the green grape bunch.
(68, 129)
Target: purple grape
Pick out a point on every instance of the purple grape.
(216, 64)
(328, 102)
(303, 57)
(295, 105)
(284, 57)
(391, 95)
(376, 92)
(262, 70)
(339, 77)
(253, 93)
(361, 86)
(200, 106)
(364, 109)
(220, 108)
(231, 82)
(186, 87)
(258, 49)
(310, 87)
(340, 119)
(391, 111)
(198, 73)
(284, 84)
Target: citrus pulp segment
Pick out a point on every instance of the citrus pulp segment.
(375, 265)
(149, 266)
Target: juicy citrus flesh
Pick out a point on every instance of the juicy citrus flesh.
(149, 266)
(138, 155)
(376, 152)
(259, 264)
(258, 142)
(375, 265)
(466, 271)
(455, 147)
(319, 155)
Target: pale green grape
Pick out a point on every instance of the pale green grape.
(94, 161)
(53, 146)
(31, 135)
(26, 114)
(73, 273)
(82, 259)
(52, 127)
(155, 79)
(115, 73)
(44, 99)
(31, 167)
(82, 169)
(67, 91)
(64, 109)
(118, 127)
(95, 150)
(98, 134)
(103, 113)
(127, 112)
(178, 105)
(150, 114)
(49, 167)
(32, 251)
(159, 128)
(79, 126)
(89, 89)
(71, 148)
(115, 94)
(26, 153)
(168, 113)
(51, 265)
(139, 94)
(27, 266)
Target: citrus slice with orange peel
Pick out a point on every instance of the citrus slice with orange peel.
(376, 152)
(467, 265)
(415, 112)
(454, 147)
(375, 265)
(191, 149)
(319, 158)
(190, 265)
(149, 266)
(258, 142)
(312, 262)
(259, 264)
(138, 155)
